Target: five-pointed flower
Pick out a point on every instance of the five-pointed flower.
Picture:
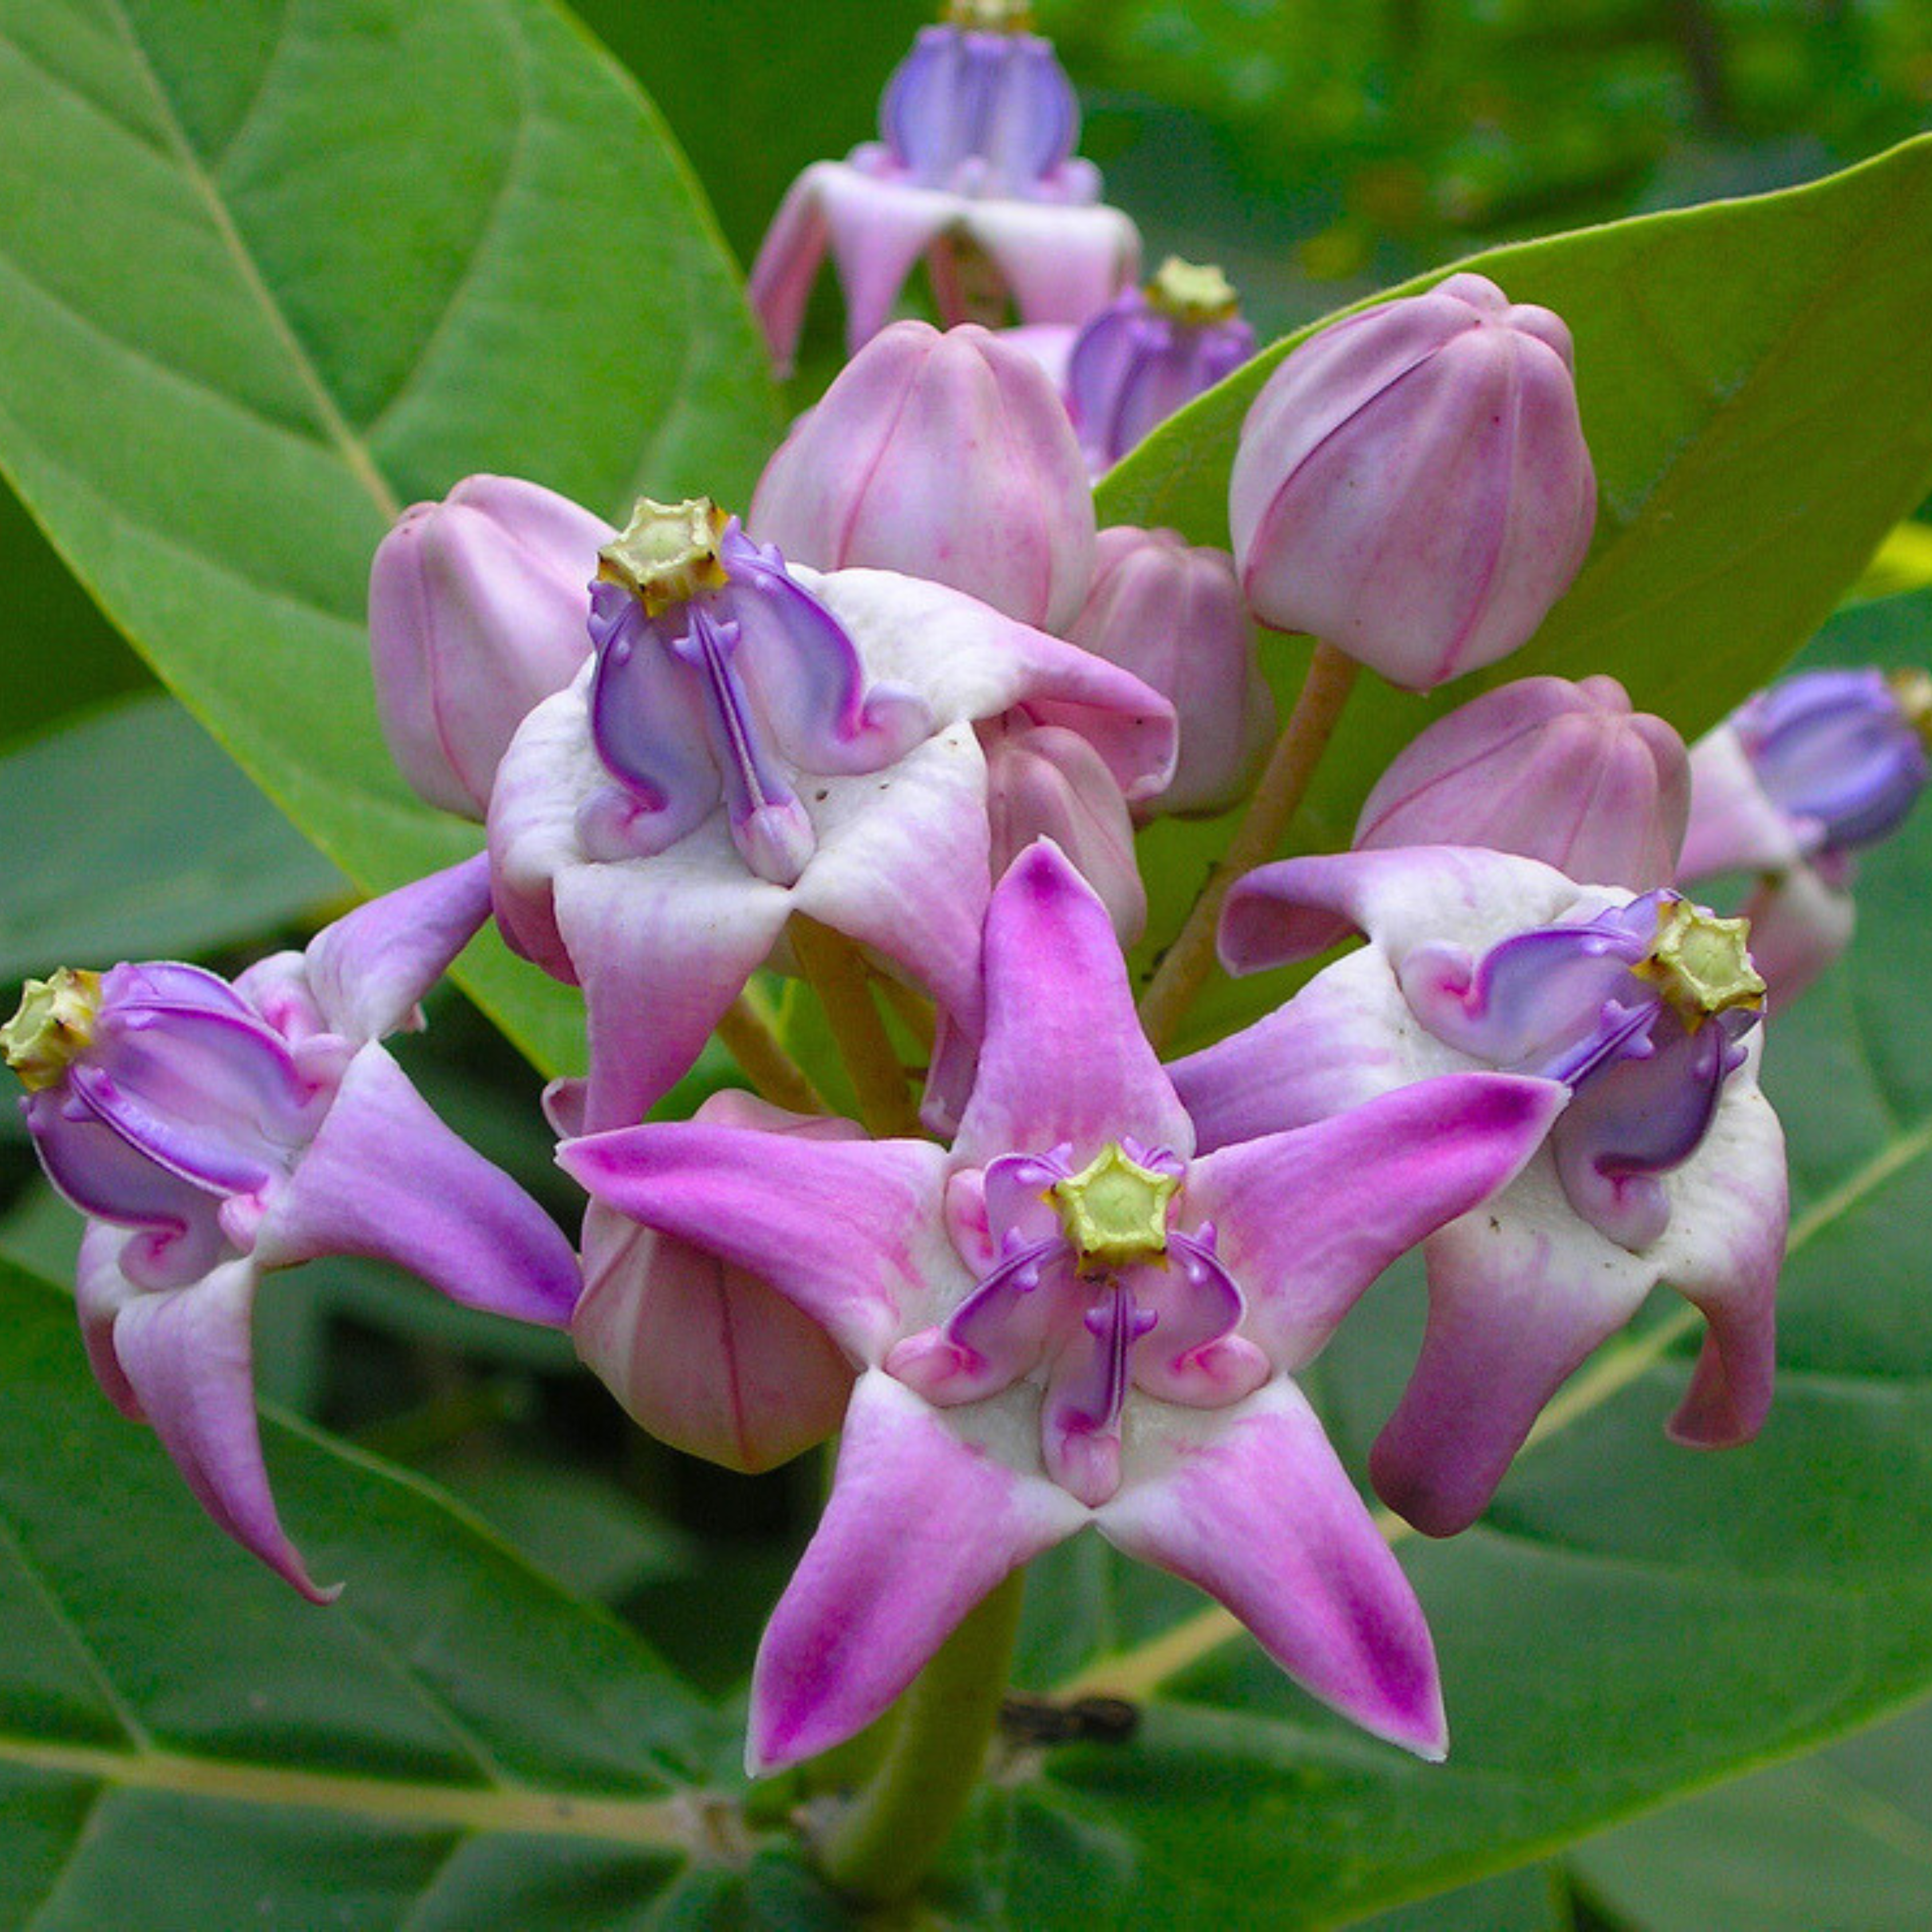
(976, 166)
(1069, 1318)
(211, 1132)
(1667, 1165)
(751, 741)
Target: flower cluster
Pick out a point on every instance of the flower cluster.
(894, 734)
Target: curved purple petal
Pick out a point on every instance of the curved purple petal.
(852, 1232)
(1252, 1506)
(186, 1355)
(1064, 1058)
(922, 1524)
(1306, 1220)
(386, 1179)
(368, 970)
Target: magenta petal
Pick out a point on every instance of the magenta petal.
(850, 1232)
(186, 1355)
(369, 969)
(1253, 1506)
(921, 1525)
(1064, 1059)
(385, 1178)
(100, 1291)
(1308, 1220)
(1514, 1307)
(780, 281)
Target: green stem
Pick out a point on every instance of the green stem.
(750, 1040)
(1187, 962)
(831, 962)
(894, 1829)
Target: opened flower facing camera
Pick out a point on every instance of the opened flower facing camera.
(1070, 1318)
(1666, 1165)
(1792, 786)
(752, 742)
(975, 170)
(212, 1132)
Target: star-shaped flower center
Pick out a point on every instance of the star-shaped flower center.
(1114, 1210)
(667, 554)
(1700, 965)
(1192, 292)
(53, 1027)
(991, 17)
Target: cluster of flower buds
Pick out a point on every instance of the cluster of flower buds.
(905, 719)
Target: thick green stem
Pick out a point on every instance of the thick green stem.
(894, 1829)
(750, 1040)
(831, 962)
(1188, 962)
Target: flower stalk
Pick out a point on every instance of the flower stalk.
(1183, 971)
(885, 1841)
(838, 975)
(748, 1036)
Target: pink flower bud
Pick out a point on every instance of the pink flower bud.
(705, 1356)
(477, 610)
(1173, 616)
(1412, 484)
(946, 457)
(1567, 773)
(1043, 780)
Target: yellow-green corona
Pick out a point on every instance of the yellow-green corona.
(668, 554)
(55, 1023)
(1701, 965)
(1114, 1210)
(1193, 292)
(1913, 687)
(990, 16)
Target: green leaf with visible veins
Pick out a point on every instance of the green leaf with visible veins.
(455, 1744)
(1759, 406)
(292, 265)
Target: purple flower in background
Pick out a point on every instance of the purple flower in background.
(1070, 1318)
(1412, 485)
(1149, 353)
(1668, 1164)
(1797, 780)
(751, 741)
(975, 170)
(211, 1132)
(477, 607)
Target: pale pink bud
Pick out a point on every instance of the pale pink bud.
(949, 458)
(477, 612)
(1412, 484)
(1173, 616)
(1043, 780)
(1567, 773)
(705, 1356)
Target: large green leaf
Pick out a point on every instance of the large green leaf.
(1631, 1621)
(455, 1744)
(1760, 414)
(293, 264)
(131, 836)
(1841, 1839)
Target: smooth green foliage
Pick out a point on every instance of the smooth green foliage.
(307, 263)
(1842, 1839)
(1760, 416)
(130, 834)
(1631, 1620)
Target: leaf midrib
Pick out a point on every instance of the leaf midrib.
(662, 1823)
(354, 452)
